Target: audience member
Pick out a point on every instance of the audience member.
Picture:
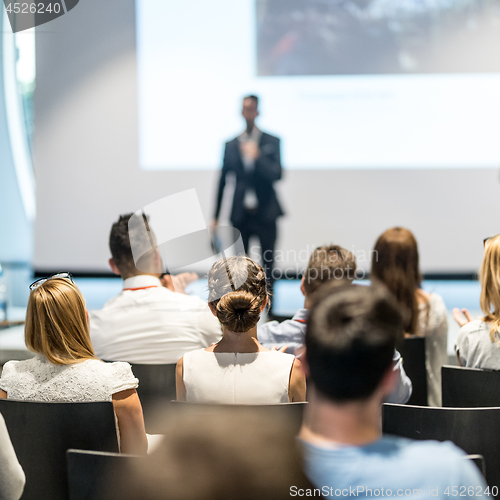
(65, 367)
(11, 473)
(149, 322)
(396, 264)
(216, 456)
(239, 370)
(327, 264)
(478, 342)
(350, 340)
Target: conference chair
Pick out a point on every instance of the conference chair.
(92, 475)
(472, 429)
(156, 389)
(413, 352)
(41, 433)
(470, 387)
(291, 412)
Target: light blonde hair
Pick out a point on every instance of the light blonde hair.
(56, 323)
(489, 276)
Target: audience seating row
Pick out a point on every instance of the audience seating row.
(472, 429)
(42, 433)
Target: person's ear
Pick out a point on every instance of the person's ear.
(212, 308)
(87, 314)
(114, 267)
(264, 304)
(302, 287)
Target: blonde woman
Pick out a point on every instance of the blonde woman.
(478, 342)
(238, 369)
(65, 368)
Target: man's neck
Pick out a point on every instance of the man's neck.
(355, 423)
(250, 127)
(126, 277)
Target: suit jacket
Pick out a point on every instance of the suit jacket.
(267, 170)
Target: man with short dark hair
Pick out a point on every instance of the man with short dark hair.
(327, 264)
(151, 321)
(350, 340)
(254, 159)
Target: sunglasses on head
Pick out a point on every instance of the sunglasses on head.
(489, 238)
(41, 281)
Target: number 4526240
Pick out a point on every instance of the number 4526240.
(33, 8)
(464, 491)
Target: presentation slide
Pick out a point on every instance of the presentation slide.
(188, 64)
(344, 83)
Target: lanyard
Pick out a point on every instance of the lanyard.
(141, 288)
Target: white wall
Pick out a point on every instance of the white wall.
(16, 228)
(86, 160)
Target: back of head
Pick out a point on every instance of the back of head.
(131, 236)
(396, 264)
(350, 340)
(221, 455)
(329, 263)
(489, 276)
(254, 99)
(237, 291)
(56, 323)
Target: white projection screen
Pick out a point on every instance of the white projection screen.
(387, 110)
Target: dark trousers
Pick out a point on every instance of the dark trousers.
(253, 225)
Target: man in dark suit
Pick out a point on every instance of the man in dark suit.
(254, 159)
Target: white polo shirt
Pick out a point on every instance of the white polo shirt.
(149, 324)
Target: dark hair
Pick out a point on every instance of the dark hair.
(351, 335)
(237, 289)
(217, 454)
(328, 262)
(395, 264)
(253, 98)
(131, 228)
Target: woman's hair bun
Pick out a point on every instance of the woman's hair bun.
(239, 311)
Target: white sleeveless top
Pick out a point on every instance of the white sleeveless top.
(38, 379)
(237, 378)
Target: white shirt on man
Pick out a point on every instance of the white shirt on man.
(250, 201)
(149, 324)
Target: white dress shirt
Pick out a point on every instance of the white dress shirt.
(250, 201)
(149, 324)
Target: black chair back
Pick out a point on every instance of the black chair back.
(470, 387)
(472, 429)
(93, 474)
(156, 382)
(156, 389)
(413, 352)
(42, 433)
(291, 412)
